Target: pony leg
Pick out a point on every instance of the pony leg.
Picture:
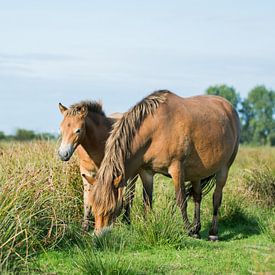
(176, 172)
(87, 204)
(147, 178)
(221, 178)
(129, 196)
(197, 194)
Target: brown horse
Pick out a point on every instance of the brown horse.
(191, 139)
(85, 128)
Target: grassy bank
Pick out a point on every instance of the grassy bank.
(41, 212)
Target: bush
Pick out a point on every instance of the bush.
(272, 139)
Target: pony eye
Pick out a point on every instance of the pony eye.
(77, 131)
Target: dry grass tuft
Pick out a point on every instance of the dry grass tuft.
(40, 197)
(259, 185)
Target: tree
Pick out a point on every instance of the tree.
(2, 135)
(227, 92)
(23, 134)
(258, 111)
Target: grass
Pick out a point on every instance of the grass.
(41, 212)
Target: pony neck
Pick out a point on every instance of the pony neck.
(97, 131)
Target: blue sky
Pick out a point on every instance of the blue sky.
(119, 51)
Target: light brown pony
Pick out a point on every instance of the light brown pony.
(190, 139)
(85, 128)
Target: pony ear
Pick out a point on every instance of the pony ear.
(90, 179)
(117, 181)
(62, 108)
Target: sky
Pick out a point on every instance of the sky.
(120, 51)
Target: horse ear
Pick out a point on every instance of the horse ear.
(90, 179)
(117, 181)
(62, 108)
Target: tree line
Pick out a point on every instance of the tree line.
(24, 135)
(256, 111)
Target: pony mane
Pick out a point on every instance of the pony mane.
(86, 106)
(118, 147)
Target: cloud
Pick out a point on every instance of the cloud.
(35, 64)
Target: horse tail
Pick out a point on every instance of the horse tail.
(206, 186)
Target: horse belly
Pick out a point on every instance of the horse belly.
(208, 160)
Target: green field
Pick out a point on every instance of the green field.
(41, 213)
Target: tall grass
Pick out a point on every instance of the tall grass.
(41, 208)
(259, 183)
(40, 198)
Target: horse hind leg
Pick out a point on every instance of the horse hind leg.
(197, 195)
(221, 178)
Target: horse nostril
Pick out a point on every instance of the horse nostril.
(63, 155)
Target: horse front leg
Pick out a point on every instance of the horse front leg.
(176, 172)
(129, 196)
(221, 178)
(147, 178)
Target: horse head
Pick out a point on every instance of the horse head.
(72, 130)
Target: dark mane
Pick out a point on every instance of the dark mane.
(86, 106)
(118, 146)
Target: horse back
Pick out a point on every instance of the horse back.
(202, 132)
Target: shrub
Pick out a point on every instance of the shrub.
(272, 139)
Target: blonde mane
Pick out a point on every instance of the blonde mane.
(118, 147)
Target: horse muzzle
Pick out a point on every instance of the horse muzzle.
(65, 152)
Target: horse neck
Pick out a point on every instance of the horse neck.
(136, 160)
(97, 131)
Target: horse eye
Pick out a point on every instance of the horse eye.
(77, 131)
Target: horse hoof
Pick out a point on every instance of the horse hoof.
(196, 236)
(126, 221)
(85, 227)
(213, 238)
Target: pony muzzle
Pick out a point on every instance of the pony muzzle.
(65, 151)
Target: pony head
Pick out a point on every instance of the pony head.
(72, 130)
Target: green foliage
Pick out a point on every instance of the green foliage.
(161, 227)
(26, 135)
(272, 139)
(2, 135)
(91, 262)
(227, 92)
(258, 111)
(23, 134)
